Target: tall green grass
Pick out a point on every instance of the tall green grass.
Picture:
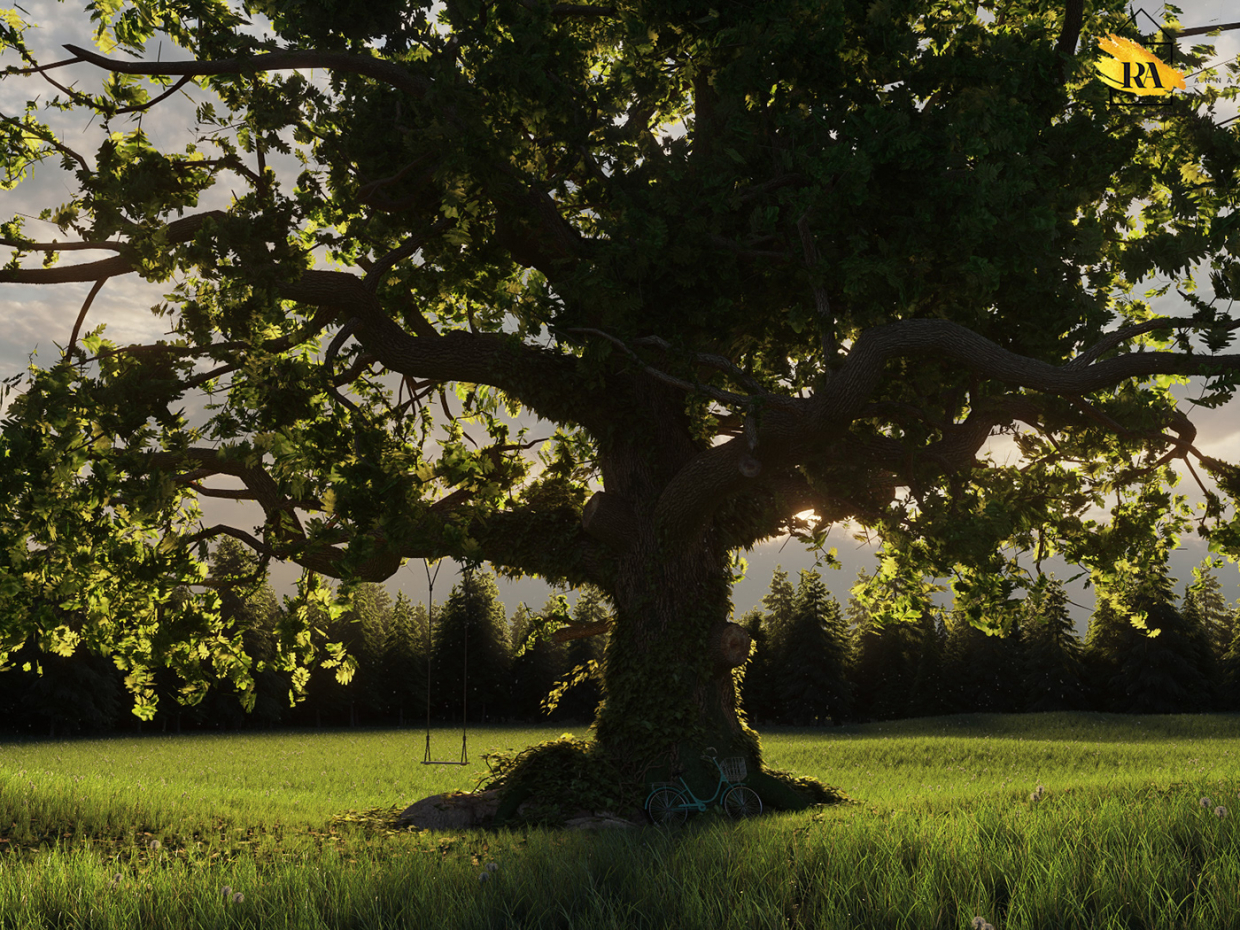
(294, 778)
(949, 827)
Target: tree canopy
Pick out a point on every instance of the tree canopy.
(751, 260)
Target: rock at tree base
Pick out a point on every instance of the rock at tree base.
(459, 810)
(454, 810)
(597, 820)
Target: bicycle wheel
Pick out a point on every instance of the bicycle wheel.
(666, 806)
(742, 801)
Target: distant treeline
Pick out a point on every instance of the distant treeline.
(814, 663)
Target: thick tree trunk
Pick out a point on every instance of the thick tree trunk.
(670, 672)
(674, 659)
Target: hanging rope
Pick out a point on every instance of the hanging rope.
(430, 619)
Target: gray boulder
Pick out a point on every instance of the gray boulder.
(454, 810)
(460, 810)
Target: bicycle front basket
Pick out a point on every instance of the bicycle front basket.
(734, 768)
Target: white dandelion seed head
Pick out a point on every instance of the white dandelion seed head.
(1220, 812)
(238, 898)
(492, 866)
(979, 923)
(1205, 802)
(225, 891)
(155, 844)
(484, 877)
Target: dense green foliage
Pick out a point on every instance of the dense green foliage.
(745, 261)
(810, 665)
(388, 645)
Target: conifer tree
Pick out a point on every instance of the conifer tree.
(780, 603)
(1208, 615)
(984, 670)
(814, 684)
(1054, 668)
(403, 674)
(1164, 673)
(927, 694)
(1106, 632)
(885, 663)
(471, 657)
(767, 630)
(1229, 671)
(370, 614)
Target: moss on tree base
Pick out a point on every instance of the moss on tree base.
(784, 791)
(551, 781)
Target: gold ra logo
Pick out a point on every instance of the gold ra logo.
(1131, 68)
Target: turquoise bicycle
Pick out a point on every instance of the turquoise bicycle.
(670, 804)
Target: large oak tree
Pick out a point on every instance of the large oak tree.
(889, 230)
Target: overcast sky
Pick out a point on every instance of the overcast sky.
(41, 318)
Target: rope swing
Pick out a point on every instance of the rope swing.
(430, 614)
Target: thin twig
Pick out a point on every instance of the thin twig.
(77, 326)
(409, 247)
(706, 358)
(164, 96)
(724, 397)
(1111, 340)
(39, 69)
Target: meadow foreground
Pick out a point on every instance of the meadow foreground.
(1031, 821)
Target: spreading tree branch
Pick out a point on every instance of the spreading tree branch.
(388, 72)
(797, 430)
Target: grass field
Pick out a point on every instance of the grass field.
(950, 826)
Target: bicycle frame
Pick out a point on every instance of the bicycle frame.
(693, 802)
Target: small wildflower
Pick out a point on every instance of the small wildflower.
(238, 898)
(1205, 802)
(1220, 812)
(492, 866)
